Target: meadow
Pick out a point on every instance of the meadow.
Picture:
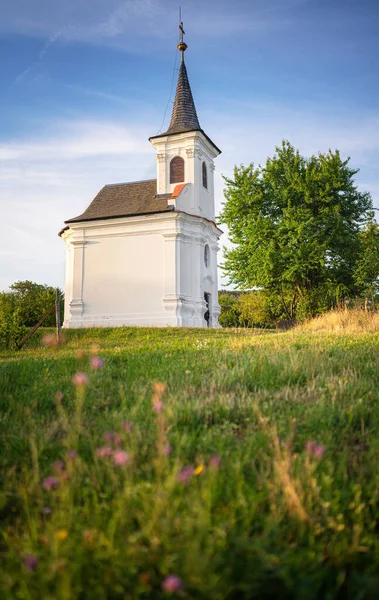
(204, 464)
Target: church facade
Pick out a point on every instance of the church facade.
(145, 253)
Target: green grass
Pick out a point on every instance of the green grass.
(271, 521)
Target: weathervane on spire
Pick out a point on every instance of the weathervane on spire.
(182, 46)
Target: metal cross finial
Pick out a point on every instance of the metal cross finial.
(182, 46)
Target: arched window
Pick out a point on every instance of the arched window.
(205, 176)
(177, 170)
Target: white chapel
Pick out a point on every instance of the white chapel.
(145, 253)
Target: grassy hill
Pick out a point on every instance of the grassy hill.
(199, 464)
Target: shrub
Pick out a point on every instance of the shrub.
(11, 330)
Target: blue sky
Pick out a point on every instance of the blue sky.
(84, 83)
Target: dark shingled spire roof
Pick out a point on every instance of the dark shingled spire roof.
(184, 116)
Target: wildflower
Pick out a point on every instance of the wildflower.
(109, 436)
(59, 466)
(314, 449)
(198, 470)
(172, 584)
(104, 452)
(61, 535)
(80, 379)
(188, 372)
(159, 388)
(59, 396)
(144, 578)
(45, 511)
(120, 458)
(79, 354)
(215, 461)
(50, 483)
(71, 454)
(49, 340)
(30, 561)
(97, 362)
(95, 348)
(88, 536)
(127, 426)
(185, 474)
(166, 450)
(157, 404)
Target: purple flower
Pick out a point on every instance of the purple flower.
(46, 511)
(127, 426)
(30, 561)
(97, 362)
(185, 474)
(166, 450)
(120, 458)
(80, 379)
(215, 461)
(172, 584)
(315, 449)
(50, 483)
(104, 452)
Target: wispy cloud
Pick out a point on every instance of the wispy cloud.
(77, 140)
(40, 56)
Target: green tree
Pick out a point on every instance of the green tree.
(30, 301)
(295, 226)
(367, 268)
(230, 311)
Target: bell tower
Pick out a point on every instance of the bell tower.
(185, 154)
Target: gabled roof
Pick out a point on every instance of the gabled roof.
(125, 200)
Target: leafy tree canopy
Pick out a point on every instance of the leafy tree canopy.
(30, 301)
(295, 227)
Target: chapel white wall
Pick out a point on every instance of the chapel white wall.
(146, 271)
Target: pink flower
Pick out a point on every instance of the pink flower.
(315, 449)
(172, 584)
(30, 561)
(59, 466)
(80, 379)
(72, 454)
(166, 450)
(97, 362)
(157, 405)
(185, 474)
(127, 426)
(49, 340)
(104, 452)
(215, 461)
(50, 483)
(109, 436)
(113, 438)
(46, 511)
(120, 458)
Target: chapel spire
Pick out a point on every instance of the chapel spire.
(184, 116)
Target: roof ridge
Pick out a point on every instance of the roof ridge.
(129, 182)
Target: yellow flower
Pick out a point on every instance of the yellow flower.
(198, 470)
(61, 534)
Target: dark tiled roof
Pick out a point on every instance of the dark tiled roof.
(184, 116)
(125, 200)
